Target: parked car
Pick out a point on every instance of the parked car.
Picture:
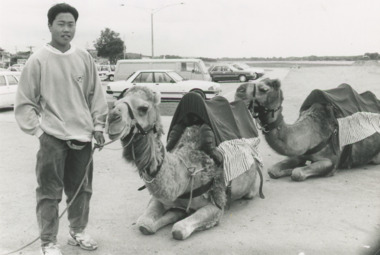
(170, 84)
(189, 68)
(243, 66)
(227, 72)
(106, 72)
(16, 68)
(8, 87)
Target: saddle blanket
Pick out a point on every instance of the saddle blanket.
(357, 127)
(238, 156)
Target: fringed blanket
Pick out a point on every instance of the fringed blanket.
(238, 156)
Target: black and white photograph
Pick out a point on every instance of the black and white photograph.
(172, 127)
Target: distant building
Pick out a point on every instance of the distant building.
(5, 59)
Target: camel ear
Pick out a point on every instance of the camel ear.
(157, 97)
(276, 83)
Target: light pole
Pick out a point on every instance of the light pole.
(152, 12)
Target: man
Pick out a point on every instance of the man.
(60, 100)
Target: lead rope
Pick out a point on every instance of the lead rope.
(96, 146)
(192, 172)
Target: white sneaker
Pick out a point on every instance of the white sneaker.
(83, 240)
(51, 249)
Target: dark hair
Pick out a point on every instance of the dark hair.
(61, 8)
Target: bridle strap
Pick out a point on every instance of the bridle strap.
(270, 126)
(250, 106)
(262, 112)
(138, 126)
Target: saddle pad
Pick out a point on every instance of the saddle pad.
(227, 120)
(238, 156)
(356, 116)
(345, 100)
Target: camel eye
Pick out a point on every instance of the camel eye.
(142, 110)
(263, 89)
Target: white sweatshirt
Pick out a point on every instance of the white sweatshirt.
(61, 94)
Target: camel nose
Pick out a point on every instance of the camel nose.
(114, 115)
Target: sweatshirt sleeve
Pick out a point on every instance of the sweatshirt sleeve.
(98, 102)
(27, 107)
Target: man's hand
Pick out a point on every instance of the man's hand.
(99, 138)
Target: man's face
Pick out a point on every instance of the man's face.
(62, 30)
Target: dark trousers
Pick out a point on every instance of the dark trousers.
(61, 168)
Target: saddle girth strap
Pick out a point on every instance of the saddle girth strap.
(198, 191)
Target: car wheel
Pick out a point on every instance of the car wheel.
(111, 77)
(242, 78)
(255, 76)
(200, 92)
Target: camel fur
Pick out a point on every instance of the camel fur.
(309, 139)
(167, 175)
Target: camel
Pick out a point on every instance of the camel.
(311, 142)
(172, 178)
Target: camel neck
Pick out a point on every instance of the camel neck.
(294, 139)
(147, 152)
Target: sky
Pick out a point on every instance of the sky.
(207, 28)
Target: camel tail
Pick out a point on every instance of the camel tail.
(261, 183)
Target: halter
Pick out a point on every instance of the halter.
(143, 132)
(137, 125)
(260, 112)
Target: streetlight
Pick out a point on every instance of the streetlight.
(152, 12)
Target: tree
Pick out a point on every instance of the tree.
(109, 45)
(372, 56)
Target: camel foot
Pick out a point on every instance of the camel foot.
(298, 175)
(276, 173)
(273, 174)
(250, 195)
(146, 230)
(180, 233)
(146, 226)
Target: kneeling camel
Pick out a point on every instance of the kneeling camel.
(311, 142)
(172, 177)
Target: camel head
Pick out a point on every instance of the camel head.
(136, 112)
(268, 94)
(261, 97)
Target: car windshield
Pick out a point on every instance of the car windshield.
(203, 67)
(176, 76)
(242, 65)
(238, 67)
(233, 68)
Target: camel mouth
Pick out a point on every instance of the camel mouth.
(114, 137)
(119, 135)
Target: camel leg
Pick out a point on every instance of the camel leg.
(376, 159)
(156, 217)
(285, 167)
(204, 218)
(317, 168)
